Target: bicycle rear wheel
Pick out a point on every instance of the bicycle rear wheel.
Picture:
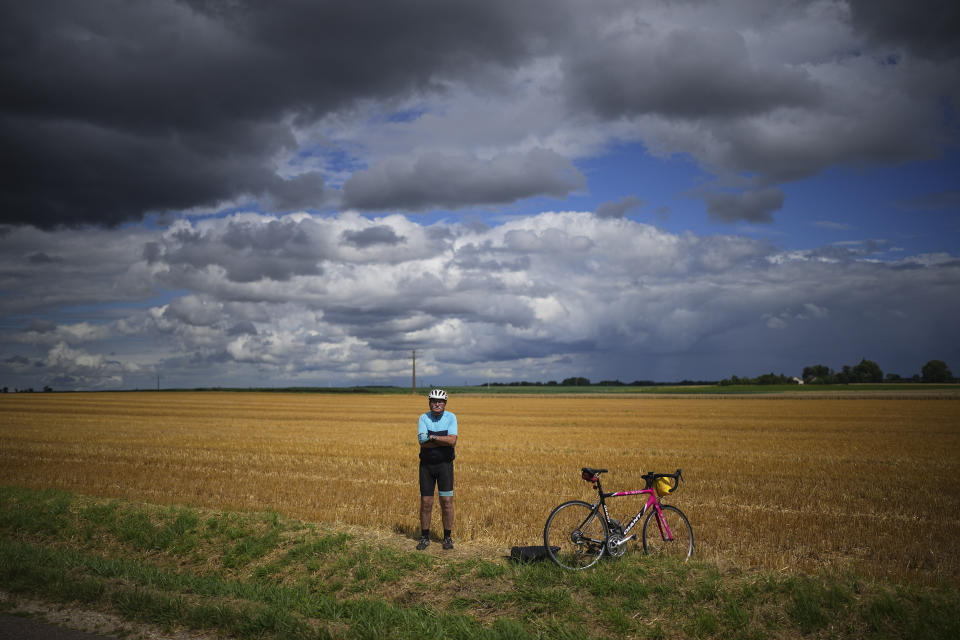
(655, 541)
(575, 535)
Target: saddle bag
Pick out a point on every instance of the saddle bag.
(529, 554)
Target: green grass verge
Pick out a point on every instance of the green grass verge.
(264, 576)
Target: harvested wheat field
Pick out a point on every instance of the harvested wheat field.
(867, 484)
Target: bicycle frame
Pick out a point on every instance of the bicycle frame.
(651, 501)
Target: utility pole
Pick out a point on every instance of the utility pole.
(413, 389)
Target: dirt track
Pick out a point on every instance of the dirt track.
(25, 619)
(18, 628)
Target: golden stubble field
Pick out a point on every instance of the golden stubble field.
(868, 484)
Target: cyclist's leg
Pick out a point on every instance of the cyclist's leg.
(427, 482)
(654, 536)
(445, 491)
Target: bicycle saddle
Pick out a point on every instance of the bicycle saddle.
(593, 472)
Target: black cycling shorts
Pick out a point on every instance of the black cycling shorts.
(439, 474)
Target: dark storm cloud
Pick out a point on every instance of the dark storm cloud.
(271, 236)
(776, 91)
(750, 206)
(113, 109)
(63, 170)
(40, 258)
(454, 181)
(380, 234)
(471, 257)
(305, 191)
(242, 329)
(927, 27)
(246, 251)
(42, 326)
(688, 73)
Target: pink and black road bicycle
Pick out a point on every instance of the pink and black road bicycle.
(577, 533)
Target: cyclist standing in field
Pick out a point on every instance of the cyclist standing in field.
(437, 433)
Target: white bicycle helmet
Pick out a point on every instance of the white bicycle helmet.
(438, 394)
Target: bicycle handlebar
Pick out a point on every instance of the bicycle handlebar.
(652, 476)
(593, 475)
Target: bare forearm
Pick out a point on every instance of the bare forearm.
(440, 441)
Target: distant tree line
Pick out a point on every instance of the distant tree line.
(585, 382)
(869, 371)
(865, 371)
(767, 378)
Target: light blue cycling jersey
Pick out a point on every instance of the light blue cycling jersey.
(431, 425)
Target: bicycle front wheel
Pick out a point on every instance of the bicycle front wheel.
(656, 540)
(575, 535)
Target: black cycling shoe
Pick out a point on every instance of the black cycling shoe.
(448, 543)
(423, 544)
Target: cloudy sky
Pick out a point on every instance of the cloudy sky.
(239, 193)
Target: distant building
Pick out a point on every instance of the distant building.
(797, 380)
